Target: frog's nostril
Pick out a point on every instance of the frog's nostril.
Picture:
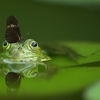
(20, 50)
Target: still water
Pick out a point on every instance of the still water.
(63, 76)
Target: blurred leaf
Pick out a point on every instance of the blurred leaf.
(92, 92)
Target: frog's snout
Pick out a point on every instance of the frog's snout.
(20, 50)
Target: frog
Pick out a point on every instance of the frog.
(29, 59)
(24, 58)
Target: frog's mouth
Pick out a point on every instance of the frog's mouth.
(19, 61)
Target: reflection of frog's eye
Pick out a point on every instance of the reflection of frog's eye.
(6, 45)
(34, 44)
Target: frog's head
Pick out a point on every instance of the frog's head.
(24, 51)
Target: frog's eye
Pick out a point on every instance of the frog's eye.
(6, 45)
(34, 44)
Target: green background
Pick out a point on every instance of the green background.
(54, 19)
(57, 20)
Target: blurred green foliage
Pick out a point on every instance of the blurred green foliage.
(48, 21)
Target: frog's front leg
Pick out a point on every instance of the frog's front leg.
(74, 56)
(61, 50)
